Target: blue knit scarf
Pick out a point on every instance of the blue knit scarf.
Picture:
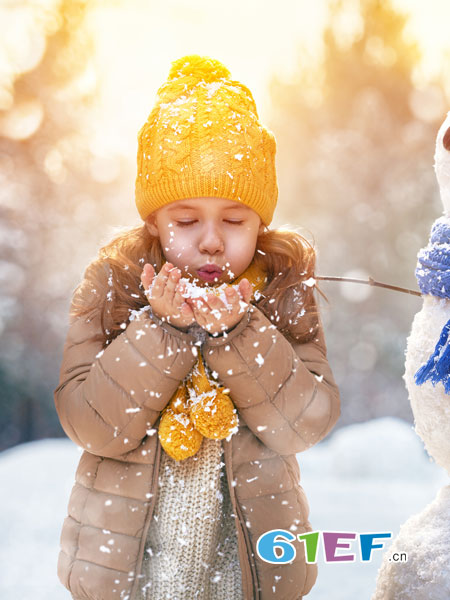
(433, 277)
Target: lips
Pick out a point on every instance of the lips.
(209, 268)
(209, 272)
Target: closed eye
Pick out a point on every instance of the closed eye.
(187, 223)
(184, 223)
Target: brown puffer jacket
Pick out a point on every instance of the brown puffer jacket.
(109, 402)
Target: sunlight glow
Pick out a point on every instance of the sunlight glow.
(22, 120)
(136, 42)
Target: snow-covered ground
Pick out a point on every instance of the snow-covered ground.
(368, 477)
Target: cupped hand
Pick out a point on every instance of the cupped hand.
(214, 315)
(165, 295)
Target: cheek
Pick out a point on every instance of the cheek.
(176, 240)
(241, 247)
(246, 238)
(177, 249)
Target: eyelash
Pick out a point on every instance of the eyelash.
(186, 224)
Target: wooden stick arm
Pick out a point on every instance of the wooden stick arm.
(370, 281)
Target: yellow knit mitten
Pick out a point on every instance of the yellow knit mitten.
(176, 432)
(212, 412)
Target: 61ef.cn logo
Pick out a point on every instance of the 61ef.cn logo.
(276, 547)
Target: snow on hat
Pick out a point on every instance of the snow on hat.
(203, 138)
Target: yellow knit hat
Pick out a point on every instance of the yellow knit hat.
(203, 138)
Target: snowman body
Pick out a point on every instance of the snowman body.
(425, 537)
(430, 403)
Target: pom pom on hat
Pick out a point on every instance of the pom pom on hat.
(202, 68)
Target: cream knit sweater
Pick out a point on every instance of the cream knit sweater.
(191, 549)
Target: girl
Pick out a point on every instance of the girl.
(161, 507)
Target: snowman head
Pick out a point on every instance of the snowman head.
(442, 163)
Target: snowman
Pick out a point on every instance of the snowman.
(425, 537)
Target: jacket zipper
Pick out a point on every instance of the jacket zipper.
(249, 550)
(249, 553)
(147, 522)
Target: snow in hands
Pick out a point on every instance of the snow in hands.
(193, 291)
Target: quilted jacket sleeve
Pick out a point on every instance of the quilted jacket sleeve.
(107, 399)
(285, 393)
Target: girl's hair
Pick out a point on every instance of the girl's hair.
(286, 256)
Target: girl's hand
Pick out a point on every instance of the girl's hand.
(214, 316)
(165, 298)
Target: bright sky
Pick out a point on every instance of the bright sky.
(429, 22)
(250, 38)
(138, 39)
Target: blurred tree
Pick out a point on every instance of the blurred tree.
(356, 141)
(51, 182)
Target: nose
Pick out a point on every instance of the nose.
(211, 240)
